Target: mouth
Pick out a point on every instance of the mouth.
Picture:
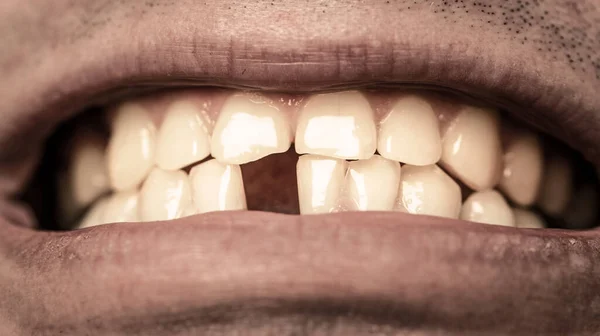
(250, 186)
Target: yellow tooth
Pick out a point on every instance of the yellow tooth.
(582, 212)
(410, 133)
(372, 185)
(217, 187)
(249, 128)
(471, 148)
(130, 151)
(487, 207)
(523, 167)
(557, 188)
(183, 137)
(164, 195)
(428, 190)
(339, 125)
(95, 215)
(122, 207)
(320, 182)
(527, 219)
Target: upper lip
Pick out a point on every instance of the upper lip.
(475, 264)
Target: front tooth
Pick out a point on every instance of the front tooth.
(320, 183)
(372, 185)
(164, 195)
(410, 133)
(217, 187)
(122, 207)
(556, 188)
(183, 137)
(428, 190)
(249, 128)
(527, 219)
(339, 125)
(130, 151)
(471, 148)
(488, 207)
(583, 208)
(523, 167)
(95, 215)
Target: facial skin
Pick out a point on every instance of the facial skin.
(215, 275)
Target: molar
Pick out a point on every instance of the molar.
(339, 125)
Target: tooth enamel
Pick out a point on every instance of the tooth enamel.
(523, 167)
(94, 215)
(471, 148)
(183, 137)
(217, 187)
(339, 125)
(556, 188)
(410, 133)
(527, 219)
(122, 207)
(130, 151)
(320, 183)
(582, 211)
(372, 185)
(488, 207)
(249, 128)
(164, 195)
(428, 190)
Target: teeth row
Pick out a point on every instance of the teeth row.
(470, 143)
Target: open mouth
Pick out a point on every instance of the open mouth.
(201, 182)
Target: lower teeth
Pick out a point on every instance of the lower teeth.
(453, 176)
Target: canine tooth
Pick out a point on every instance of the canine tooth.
(523, 167)
(122, 207)
(164, 195)
(471, 148)
(183, 137)
(320, 183)
(95, 214)
(217, 187)
(372, 185)
(583, 208)
(428, 190)
(488, 207)
(556, 188)
(527, 219)
(249, 128)
(410, 133)
(130, 151)
(339, 125)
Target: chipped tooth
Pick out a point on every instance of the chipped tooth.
(556, 188)
(249, 128)
(428, 190)
(339, 125)
(487, 207)
(582, 211)
(122, 207)
(523, 167)
(130, 152)
(527, 219)
(471, 148)
(217, 187)
(371, 185)
(164, 195)
(320, 183)
(183, 137)
(94, 215)
(410, 133)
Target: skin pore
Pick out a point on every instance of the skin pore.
(532, 56)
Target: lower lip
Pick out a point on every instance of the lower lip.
(452, 267)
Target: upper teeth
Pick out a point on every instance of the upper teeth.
(331, 128)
